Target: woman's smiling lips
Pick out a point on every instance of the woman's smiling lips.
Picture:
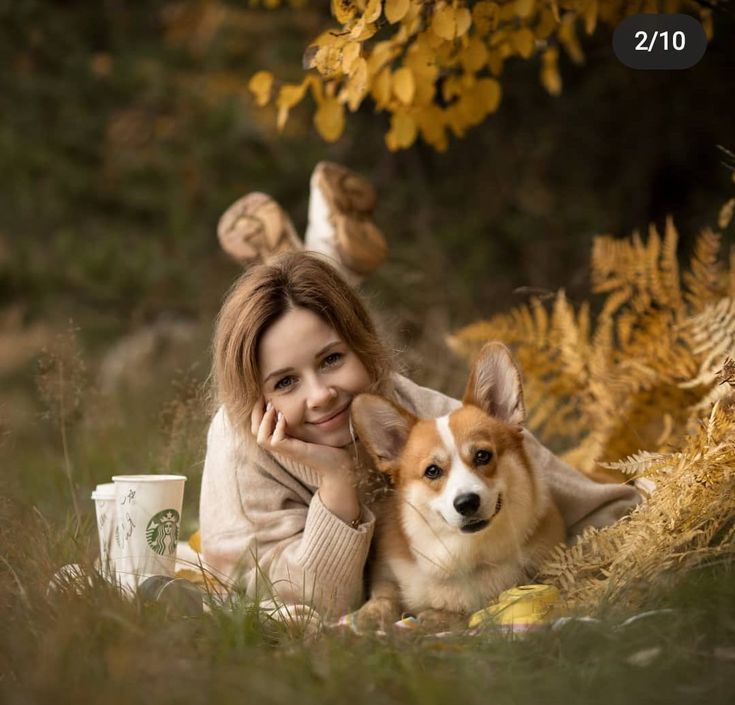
(334, 420)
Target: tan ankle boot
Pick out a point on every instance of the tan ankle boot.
(255, 228)
(341, 204)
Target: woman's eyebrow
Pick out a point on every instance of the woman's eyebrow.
(289, 369)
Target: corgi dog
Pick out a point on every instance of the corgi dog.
(469, 515)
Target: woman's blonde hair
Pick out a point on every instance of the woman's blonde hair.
(260, 297)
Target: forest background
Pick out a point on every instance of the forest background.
(126, 129)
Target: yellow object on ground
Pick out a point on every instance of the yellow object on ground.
(195, 541)
(522, 606)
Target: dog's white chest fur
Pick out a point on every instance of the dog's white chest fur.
(456, 571)
(459, 592)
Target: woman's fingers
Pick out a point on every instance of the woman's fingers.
(280, 431)
(266, 426)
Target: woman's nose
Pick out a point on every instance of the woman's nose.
(320, 394)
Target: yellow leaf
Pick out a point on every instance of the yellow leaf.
(726, 213)
(291, 95)
(568, 37)
(550, 77)
(495, 62)
(317, 89)
(432, 126)
(382, 53)
(422, 64)
(451, 88)
(344, 10)
(524, 8)
(404, 85)
(373, 10)
(706, 17)
(288, 97)
(489, 93)
(425, 91)
(422, 61)
(474, 56)
(326, 57)
(395, 10)
(590, 16)
(547, 23)
(444, 22)
(524, 42)
(464, 21)
(260, 85)
(485, 17)
(329, 120)
(402, 133)
(362, 30)
(356, 87)
(350, 54)
(381, 88)
(470, 110)
(455, 120)
(415, 12)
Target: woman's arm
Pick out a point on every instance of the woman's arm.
(263, 528)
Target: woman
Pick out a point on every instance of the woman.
(287, 490)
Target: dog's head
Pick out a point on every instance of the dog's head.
(456, 468)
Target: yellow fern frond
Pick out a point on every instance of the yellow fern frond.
(703, 282)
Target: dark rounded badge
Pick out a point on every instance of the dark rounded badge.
(162, 532)
(661, 42)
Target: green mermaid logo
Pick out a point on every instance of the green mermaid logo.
(162, 532)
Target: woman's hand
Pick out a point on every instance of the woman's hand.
(334, 465)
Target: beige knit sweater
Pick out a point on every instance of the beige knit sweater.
(264, 526)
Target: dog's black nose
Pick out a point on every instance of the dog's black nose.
(467, 504)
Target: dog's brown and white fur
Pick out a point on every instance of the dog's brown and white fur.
(470, 516)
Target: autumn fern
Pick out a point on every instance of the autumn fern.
(643, 391)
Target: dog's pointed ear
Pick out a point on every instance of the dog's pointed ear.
(383, 428)
(495, 384)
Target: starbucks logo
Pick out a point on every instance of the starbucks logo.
(162, 532)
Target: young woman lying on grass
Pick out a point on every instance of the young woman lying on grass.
(287, 489)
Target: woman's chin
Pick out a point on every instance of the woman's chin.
(336, 438)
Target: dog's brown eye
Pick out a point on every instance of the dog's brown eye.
(482, 457)
(433, 471)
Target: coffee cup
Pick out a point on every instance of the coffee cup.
(148, 516)
(104, 501)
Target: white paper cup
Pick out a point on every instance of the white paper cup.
(104, 502)
(147, 526)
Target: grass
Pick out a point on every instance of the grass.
(97, 647)
(92, 645)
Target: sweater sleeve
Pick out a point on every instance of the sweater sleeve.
(270, 535)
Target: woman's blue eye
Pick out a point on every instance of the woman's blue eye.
(283, 383)
(332, 358)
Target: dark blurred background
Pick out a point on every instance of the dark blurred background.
(126, 129)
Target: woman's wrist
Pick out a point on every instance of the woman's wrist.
(340, 497)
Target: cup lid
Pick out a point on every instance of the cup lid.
(147, 478)
(104, 491)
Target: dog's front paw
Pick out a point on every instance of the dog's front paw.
(377, 613)
(435, 620)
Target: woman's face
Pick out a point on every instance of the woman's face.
(310, 375)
